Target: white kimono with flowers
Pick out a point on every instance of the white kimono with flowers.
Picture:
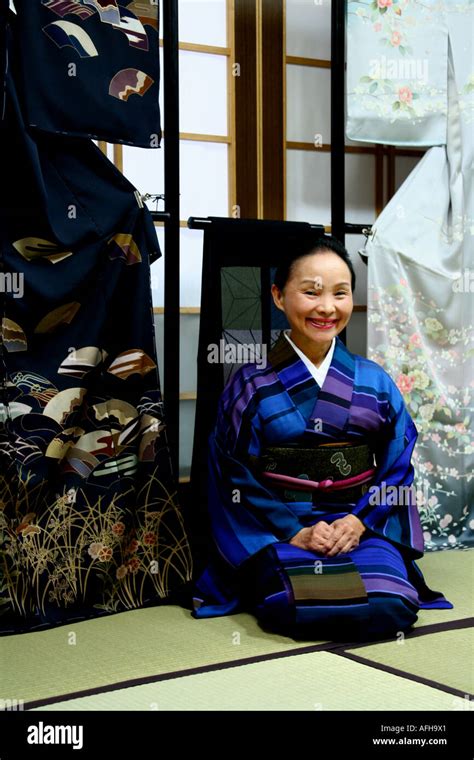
(397, 61)
(421, 261)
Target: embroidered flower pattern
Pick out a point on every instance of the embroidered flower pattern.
(396, 84)
(439, 409)
(74, 548)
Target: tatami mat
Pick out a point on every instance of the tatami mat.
(139, 645)
(130, 645)
(452, 573)
(445, 657)
(314, 682)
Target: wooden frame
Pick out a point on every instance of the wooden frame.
(230, 7)
(284, 111)
(298, 60)
(229, 139)
(246, 99)
(272, 132)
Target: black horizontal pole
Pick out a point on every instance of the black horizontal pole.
(357, 229)
(197, 223)
(160, 216)
(200, 223)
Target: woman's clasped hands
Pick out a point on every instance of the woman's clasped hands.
(338, 537)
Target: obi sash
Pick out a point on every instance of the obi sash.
(342, 471)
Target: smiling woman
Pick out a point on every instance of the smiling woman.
(301, 459)
(315, 292)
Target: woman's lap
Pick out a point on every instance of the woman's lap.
(362, 594)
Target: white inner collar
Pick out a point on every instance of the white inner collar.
(318, 373)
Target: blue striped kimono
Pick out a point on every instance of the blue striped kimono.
(375, 589)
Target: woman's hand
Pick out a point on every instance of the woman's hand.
(315, 538)
(346, 533)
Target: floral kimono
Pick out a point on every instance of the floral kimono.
(89, 518)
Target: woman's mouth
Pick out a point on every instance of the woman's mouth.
(323, 324)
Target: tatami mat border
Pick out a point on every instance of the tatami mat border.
(404, 674)
(423, 630)
(334, 647)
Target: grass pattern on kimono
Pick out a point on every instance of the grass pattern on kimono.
(55, 551)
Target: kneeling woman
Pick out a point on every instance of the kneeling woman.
(312, 511)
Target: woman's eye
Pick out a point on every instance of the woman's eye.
(310, 293)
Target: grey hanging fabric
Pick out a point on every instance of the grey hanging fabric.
(421, 286)
(91, 68)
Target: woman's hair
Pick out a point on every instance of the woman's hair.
(307, 248)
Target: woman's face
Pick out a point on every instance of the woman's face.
(317, 299)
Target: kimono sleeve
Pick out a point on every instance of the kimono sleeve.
(389, 507)
(245, 516)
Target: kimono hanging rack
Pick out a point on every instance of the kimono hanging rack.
(171, 218)
(201, 223)
(339, 227)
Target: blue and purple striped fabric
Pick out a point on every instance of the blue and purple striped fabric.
(282, 403)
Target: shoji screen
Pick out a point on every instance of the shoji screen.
(206, 175)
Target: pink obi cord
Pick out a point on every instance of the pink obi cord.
(300, 484)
